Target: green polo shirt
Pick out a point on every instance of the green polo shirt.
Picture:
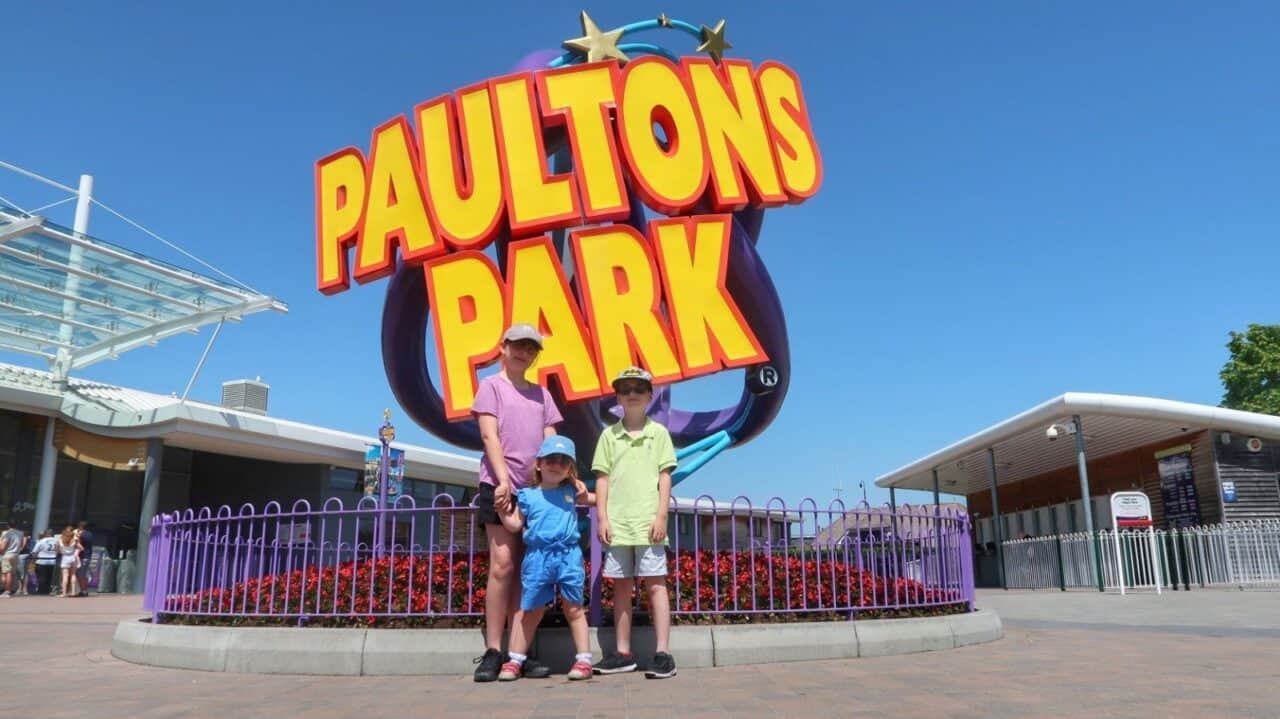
(633, 464)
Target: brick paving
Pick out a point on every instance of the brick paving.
(1203, 654)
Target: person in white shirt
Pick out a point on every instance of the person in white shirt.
(46, 551)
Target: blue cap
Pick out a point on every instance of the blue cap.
(557, 444)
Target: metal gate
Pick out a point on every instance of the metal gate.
(1242, 554)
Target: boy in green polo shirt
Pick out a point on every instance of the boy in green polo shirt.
(633, 463)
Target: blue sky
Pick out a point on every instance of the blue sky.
(1020, 199)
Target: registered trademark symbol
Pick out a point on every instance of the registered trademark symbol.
(764, 379)
(769, 376)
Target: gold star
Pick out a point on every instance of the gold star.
(663, 20)
(713, 42)
(594, 44)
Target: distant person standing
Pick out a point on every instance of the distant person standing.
(46, 553)
(25, 567)
(69, 559)
(86, 554)
(11, 542)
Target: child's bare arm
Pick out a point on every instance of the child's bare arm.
(583, 496)
(605, 531)
(658, 531)
(513, 521)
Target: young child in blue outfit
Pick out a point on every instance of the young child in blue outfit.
(553, 557)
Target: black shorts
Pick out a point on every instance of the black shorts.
(485, 512)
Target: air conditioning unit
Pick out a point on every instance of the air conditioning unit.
(246, 395)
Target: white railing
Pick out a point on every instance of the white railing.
(1244, 555)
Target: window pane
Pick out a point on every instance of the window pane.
(344, 480)
(453, 490)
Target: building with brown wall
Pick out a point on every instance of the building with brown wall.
(1197, 464)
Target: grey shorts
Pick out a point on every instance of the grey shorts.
(635, 561)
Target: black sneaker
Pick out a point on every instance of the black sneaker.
(534, 669)
(662, 666)
(490, 664)
(615, 664)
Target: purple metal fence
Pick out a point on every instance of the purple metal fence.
(726, 558)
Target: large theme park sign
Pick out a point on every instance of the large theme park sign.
(611, 195)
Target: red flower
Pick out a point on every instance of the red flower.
(452, 585)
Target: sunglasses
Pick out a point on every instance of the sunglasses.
(637, 388)
(525, 346)
(559, 459)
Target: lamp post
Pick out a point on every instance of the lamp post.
(386, 433)
(1076, 427)
(1087, 500)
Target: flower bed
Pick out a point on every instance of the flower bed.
(448, 590)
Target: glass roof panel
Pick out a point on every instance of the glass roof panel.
(92, 299)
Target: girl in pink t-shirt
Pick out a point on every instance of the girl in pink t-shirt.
(514, 415)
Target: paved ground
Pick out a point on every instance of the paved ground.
(1200, 654)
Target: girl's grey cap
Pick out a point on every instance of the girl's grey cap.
(522, 331)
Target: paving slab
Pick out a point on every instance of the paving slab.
(1203, 656)
(285, 650)
(408, 651)
(757, 643)
(887, 637)
(180, 647)
(975, 627)
(129, 641)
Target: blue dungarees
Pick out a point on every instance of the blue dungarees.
(552, 557)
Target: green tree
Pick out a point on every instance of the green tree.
(1251, 376)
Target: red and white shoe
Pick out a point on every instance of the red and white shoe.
(510, 672)
(581, 670)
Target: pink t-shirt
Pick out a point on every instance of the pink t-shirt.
(522, 417)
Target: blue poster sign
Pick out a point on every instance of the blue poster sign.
(395, 472)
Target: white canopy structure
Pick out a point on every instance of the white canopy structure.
(1111, 423)
(74, 300)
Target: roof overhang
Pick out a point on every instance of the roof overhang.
(119, 412)
(1112, 423)
(211, 428)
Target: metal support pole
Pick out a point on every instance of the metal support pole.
(1062, 569)
(381, 541)
(1180, 549)
(150, 503)
(937, 531)
(203, 357)
(995, 520)
(48, 468)
(1087, 501)
(893, 515)
(75, 259)
(385, 434)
